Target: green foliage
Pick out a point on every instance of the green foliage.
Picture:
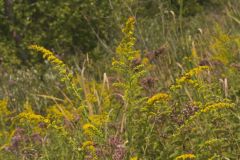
(192, 7)
(70, 27)
(177, 97)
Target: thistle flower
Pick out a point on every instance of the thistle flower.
(136, 61)
(204, 62)
(17, 137)
(154, 54)
(119, 150)
(148, 83)
(190, 110)
(37, 138)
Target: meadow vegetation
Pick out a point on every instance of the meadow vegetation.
(159, 81)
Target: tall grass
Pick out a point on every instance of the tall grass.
(175, 98)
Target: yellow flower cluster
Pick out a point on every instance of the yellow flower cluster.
(88, 126)
(213, 141)
(31, 117)
(99, 120)
(47, 54)
(187, 77)
(222, 45)
(159, 97)
(58, 64)
(129, 27)
(125, 49)
(91, 98)
(185, 156)
(58, 112)
(215, 106)
(90, 130)
(60, 67)
(88, 146)
(208, 108)
(3, 108)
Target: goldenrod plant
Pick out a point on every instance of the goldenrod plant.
(169, 92)
(58, 64)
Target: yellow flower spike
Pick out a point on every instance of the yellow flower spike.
(88, 126)
(191, 73)
(60, 67)
(32, 117)
(87, 143)
(88, 146)
(206, 109)
(216, 106)
(159, 97)
(3, 108)
(125, 47)
(129, 29)
(58, 112)
(134, 158)
(212, 142)
(91, 130)
(187, 77)
(99, 120)
(185, 156)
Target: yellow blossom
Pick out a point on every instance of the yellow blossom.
(213, 141)
(159, 97)
(187, 78)
(88, 146)
(59, 112)
(193, 72)
(90, 130)
(134, 158)
(185, 156)
(206, 109)
(125, 49)
(99, 120)
(215, 106)
(59, 65)
(88, 126)
(3, 108)
(31, 117)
